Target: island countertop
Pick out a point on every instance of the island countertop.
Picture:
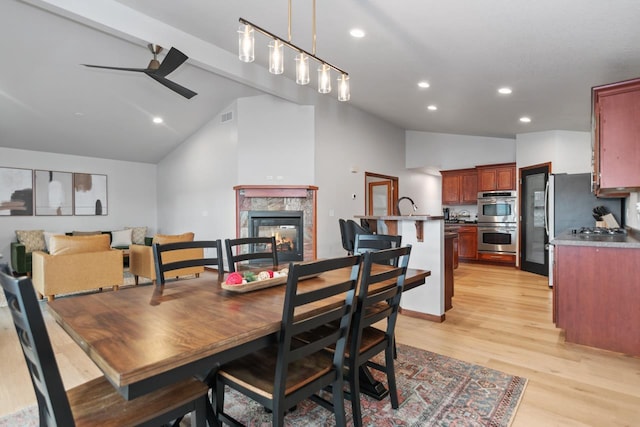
(629, 240)
(401, 217)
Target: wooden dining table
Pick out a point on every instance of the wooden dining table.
(145, 337)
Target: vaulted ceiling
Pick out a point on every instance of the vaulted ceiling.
(549, 52)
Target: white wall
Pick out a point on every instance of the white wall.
(443, 151)
(131, 195)
(568, 151)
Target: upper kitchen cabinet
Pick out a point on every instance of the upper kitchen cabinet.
(497, 177)
(616, 138)
(459, 187)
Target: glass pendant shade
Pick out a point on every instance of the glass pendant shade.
(324, 79)
(276, 57)
(302, 69)
(344, 93)
(246, 43)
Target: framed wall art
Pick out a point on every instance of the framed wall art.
(90, 194)
(16, 192)
(53, 193)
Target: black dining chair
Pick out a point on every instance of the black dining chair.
(349, 229)
(375, 242)
(97, 402)
(171, 258)
(376, 302)
(252, 252)
(291, 370)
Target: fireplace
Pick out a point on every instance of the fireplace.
(280, 201)
(286, 226)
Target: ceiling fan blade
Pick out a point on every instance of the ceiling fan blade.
(140, 70)
(173, 60)
(187, 93)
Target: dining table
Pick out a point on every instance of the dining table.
(148, 336)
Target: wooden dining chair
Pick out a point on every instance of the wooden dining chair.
(251, 252)
(97, 402)
(374, 242)
(378, 299)
(171, 258)
(290, 370)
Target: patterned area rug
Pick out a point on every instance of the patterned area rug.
(435, 390)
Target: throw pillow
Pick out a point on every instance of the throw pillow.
(138, 234)
(172, 238)
(33, 240)
(67, 245)
(47, 238)
(121, 238)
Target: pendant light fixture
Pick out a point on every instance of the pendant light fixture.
(246, 46)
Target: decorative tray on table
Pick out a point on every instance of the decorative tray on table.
(252, 281)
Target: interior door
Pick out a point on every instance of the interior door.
(534, 241)
(380, 198)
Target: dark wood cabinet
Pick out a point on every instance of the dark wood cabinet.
(596, 296)
(497, 177)
(468, 242)
(616, 138)
(459, 187)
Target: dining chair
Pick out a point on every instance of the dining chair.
(375, 242)
(96, 402)
(251, 252)
(173, 257)
(378, 300)
(291, 370)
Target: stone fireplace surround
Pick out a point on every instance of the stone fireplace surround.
(279, 198)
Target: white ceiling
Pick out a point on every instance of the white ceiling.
(550, 52)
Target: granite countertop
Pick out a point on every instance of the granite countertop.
(417, 217)
(630, 240)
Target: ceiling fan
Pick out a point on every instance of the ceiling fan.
(159, 70)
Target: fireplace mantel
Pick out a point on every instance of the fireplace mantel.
(279, 198)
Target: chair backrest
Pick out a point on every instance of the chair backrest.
(374, 242)
(347, 242)
(252, 252)
(291, 350)
(375, 292)
(192, 255)
(53, 405)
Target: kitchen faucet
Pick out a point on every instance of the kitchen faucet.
(415, 208)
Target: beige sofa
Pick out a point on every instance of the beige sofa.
(77, 263)
(142, 263)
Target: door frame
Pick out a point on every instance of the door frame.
(521, 230)
(372, 179)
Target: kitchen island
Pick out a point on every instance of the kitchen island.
(425, 234)
(596, 295)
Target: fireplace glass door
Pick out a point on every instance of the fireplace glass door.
(287, 228)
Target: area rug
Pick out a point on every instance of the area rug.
(434, 390)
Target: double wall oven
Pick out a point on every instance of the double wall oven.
(497, 222)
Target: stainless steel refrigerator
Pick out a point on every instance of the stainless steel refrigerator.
(570, 205)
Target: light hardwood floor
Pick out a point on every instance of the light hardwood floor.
(501, 318)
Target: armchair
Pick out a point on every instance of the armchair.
(77, 263)
(142, 263)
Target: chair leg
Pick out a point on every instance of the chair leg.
(217, 398)
(338, 403)
(391, 375)
(199, 416)
(354, 395)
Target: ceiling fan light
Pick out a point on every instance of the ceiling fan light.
(344, 92)
(276, 57)
(324, 79)
(302, 69)
(246, 43)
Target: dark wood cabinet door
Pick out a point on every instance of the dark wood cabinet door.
(468, 243)
(469, 188)
(486, 179)
(497, 177)
(505, 178)
(450, 188)
(620, 139)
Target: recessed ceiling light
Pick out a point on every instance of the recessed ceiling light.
(423, 84)
(525, 119)
(357, 32)
(157, 120)
(505, 90)
(432, 108)
(78, 114)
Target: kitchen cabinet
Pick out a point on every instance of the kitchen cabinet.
(497, 177)
(596, 298)
(468, 242)
(616, 138)
(459, 187)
